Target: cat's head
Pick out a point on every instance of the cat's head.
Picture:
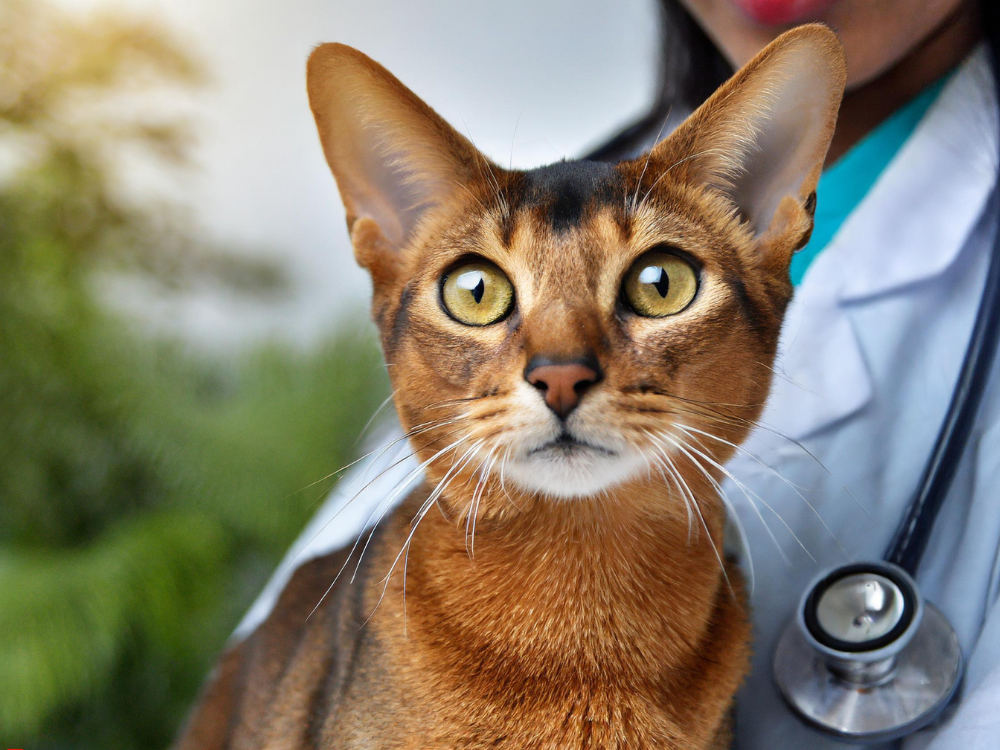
(573, 327)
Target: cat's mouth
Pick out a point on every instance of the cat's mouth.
(568, 445)
(568, 466)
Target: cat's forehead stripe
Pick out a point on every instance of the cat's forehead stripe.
(561, 192)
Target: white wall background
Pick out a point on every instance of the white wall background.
(562, 74)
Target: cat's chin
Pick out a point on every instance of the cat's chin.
(570, 471)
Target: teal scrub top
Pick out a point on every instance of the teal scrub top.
(845, 183)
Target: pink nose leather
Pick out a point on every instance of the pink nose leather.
(563, 384)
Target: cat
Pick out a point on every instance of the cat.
(574, 351)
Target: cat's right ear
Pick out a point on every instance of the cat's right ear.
(762, 138)
(393, 157)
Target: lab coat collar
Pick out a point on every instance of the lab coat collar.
(929, 197)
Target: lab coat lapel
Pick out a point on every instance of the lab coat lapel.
(930, 196)
(823, 377)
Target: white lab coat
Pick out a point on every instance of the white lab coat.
(871, 349)
(870, 352)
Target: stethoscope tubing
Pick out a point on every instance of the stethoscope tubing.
(914, 531)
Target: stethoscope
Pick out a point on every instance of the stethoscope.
(866, 658)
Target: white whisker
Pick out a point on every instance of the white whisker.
(372, 418)
(387, 501)
(708, 533)
(372, 481)
(666, 463)
(731, 513)
(477, 496)
(415, 523)
(748, 492)
(777, 474)
(380, 450)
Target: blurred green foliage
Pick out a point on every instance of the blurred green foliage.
(146, 491)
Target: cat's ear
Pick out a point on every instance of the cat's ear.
(762, 137)
(392, 156)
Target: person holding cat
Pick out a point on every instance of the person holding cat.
(890, 244)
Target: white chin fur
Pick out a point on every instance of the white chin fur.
(582, 472)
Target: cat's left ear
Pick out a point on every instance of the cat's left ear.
(393, 157)
(762, 138)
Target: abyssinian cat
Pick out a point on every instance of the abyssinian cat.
(575, 350)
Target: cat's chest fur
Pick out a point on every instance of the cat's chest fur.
(554, 660)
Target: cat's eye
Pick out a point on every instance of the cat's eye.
(660, 284)
(477, 293)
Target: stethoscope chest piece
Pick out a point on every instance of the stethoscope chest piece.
(866, 659)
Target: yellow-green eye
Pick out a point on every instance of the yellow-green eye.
(477, 293)
(660, 284)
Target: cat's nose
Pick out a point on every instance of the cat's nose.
(563, 383)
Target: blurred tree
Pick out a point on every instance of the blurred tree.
(145, 491)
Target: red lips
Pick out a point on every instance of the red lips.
(781, 12)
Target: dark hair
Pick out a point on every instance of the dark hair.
(691, 68)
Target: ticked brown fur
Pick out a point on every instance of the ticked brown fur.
(490, 610)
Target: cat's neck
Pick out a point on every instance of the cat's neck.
(604, 611)
(626, 583)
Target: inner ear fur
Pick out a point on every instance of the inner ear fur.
(762, 138)
(392, 156)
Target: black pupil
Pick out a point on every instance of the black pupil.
(478, 290)
(662, 283)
